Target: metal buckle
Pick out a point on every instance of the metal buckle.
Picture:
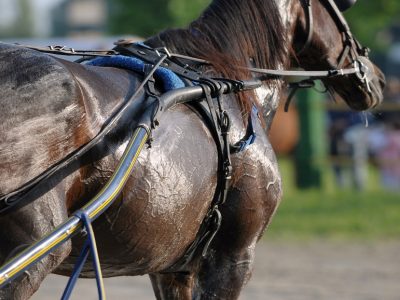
(362, 73)
(162, 50)
(61, 48)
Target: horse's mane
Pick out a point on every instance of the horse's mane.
(228, 34)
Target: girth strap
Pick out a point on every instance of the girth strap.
(218, 122)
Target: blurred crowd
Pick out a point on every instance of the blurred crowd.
(357, 139)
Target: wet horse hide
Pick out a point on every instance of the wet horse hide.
(52, 108)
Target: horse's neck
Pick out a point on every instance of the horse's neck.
(209, 38)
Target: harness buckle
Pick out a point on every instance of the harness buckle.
(336, 72)
(162, 50)
(225, 122)
(228, 170)
(363, 73)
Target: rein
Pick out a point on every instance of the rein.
(139, 50)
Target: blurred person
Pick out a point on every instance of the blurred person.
(345, 148)
(338, 147)
(385, 144)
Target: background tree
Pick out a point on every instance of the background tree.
(368, 19)
(185, 11)
(371, 19)
(145, 18)
(139, 17)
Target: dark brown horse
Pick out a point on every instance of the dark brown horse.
(49, 107)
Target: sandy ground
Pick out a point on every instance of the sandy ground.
(283, 271)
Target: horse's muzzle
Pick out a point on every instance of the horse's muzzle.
(371, 83)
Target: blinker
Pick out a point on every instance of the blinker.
(344, 5)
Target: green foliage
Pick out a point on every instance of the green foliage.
(138, 17)
(332, 213)
(145, 18)
(184, 11)
(370, 18)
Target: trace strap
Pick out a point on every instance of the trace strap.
(90, 245)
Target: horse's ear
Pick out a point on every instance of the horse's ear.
(344, 5)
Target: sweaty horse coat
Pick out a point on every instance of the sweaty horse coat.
(51, 107)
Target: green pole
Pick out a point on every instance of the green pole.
(311, 150)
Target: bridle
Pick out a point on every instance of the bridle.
(358, 54)
(352, 48)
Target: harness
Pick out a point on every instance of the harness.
(212, 110)
(139, 57)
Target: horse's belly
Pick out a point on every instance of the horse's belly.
(160, 210)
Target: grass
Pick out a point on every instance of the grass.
(331, 213)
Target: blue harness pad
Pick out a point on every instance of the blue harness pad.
(170, 81)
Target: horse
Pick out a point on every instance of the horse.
(51, 107)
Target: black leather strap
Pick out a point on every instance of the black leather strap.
(309, 24)
(150, 55)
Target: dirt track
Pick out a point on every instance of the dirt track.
(284, 271)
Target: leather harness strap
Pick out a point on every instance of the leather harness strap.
(309, 24)
(150, 55)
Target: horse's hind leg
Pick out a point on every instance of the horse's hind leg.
(177, 286)
(21, 228)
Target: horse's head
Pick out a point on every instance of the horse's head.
(322, 40)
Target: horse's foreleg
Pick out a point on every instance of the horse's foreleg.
(29, 282)
(177, 286)
(22, 228)
(223, 274)
(248, 209)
